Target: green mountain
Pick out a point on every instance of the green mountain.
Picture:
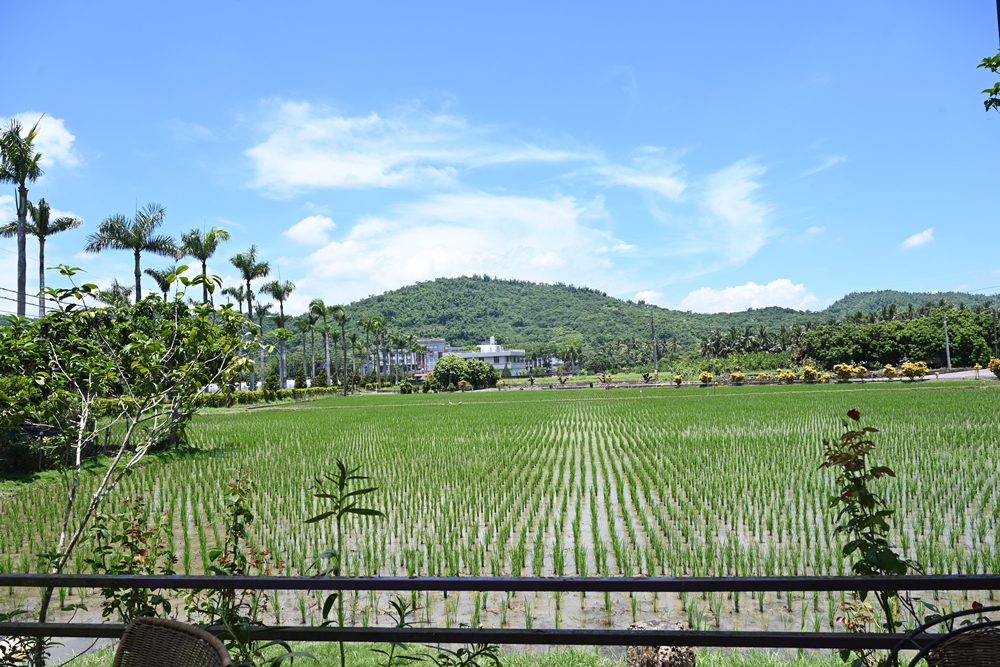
(866, 302)
(468, 310)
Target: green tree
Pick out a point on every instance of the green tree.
(992, 64)
(162, 278)
(41, 227)
(340, 318)
(321, 311)
(321, 379)
(300, 379)
(238, 293)
(280, 290)
(450, 370)
(20, 164)
(138, 368)
(116, 295)
(261, 310)
(250, 269)
(202, 246)
(135, 234)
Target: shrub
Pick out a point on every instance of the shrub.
(788, 377)
(810, 374)
(405, 387)
(738, 377)
(425, 387)
(994, 367)
(889, 371)
(705, 377)
(824, 378)
(321, 380)
(464, 386)
(505, 373)
(500, 384)
(300, 379)
(914, 370)
(764, 378)
(846, 371)
(271, 381)
(678, 379)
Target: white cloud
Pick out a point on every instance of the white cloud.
(312, 230)
(813, 231)
(829, 161)
(624, 247)
(781, 292)
(309, 147)
(462, 234)
(919, 239)
(650, 296)
(740, 225)
(650, 171)
(54, 141)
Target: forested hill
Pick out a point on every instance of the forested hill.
(468, 310)
(866, 302)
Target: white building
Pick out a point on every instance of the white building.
(497, 356)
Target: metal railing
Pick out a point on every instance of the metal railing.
(544, 636)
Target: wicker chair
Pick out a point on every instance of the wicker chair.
(158, 642)
(973, 645)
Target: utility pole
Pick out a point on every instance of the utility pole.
(947, 345)
(996, 353)
(652, 324)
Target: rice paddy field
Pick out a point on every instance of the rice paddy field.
(583, 482)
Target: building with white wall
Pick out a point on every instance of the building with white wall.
(497, 356)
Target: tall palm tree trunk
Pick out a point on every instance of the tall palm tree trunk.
(326, 347)
(41, 275)
(204, 285)
(138, 279)
(22, 249)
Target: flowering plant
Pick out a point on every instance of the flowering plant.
(705, 377)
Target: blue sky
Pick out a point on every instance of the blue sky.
(704, 156)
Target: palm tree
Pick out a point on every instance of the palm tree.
(162, 278)
(321, 311)
(20, 165)
(339, 316)
(250, 269)
(261, 310)
(115, 296)
(304, 326)
(137, 235)
(41, 228)
(202, 247)
(280, 290)
(237, 293)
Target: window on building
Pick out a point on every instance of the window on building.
(496, 360)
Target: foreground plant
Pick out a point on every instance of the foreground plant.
(344, 490)
(127, 543)
(866, 518)
(240, 611)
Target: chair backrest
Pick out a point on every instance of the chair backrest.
(976, 644)
(159, 642)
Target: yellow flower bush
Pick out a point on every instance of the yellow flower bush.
(843, 371)
(705, 377)
(994, 367)
(914, 370)
(889, 371)
(824, 378)
(810, 374)
(678, 379)
(763, 378)
(787, 377)
(738, 377)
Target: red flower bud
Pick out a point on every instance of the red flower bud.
(854, 414)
